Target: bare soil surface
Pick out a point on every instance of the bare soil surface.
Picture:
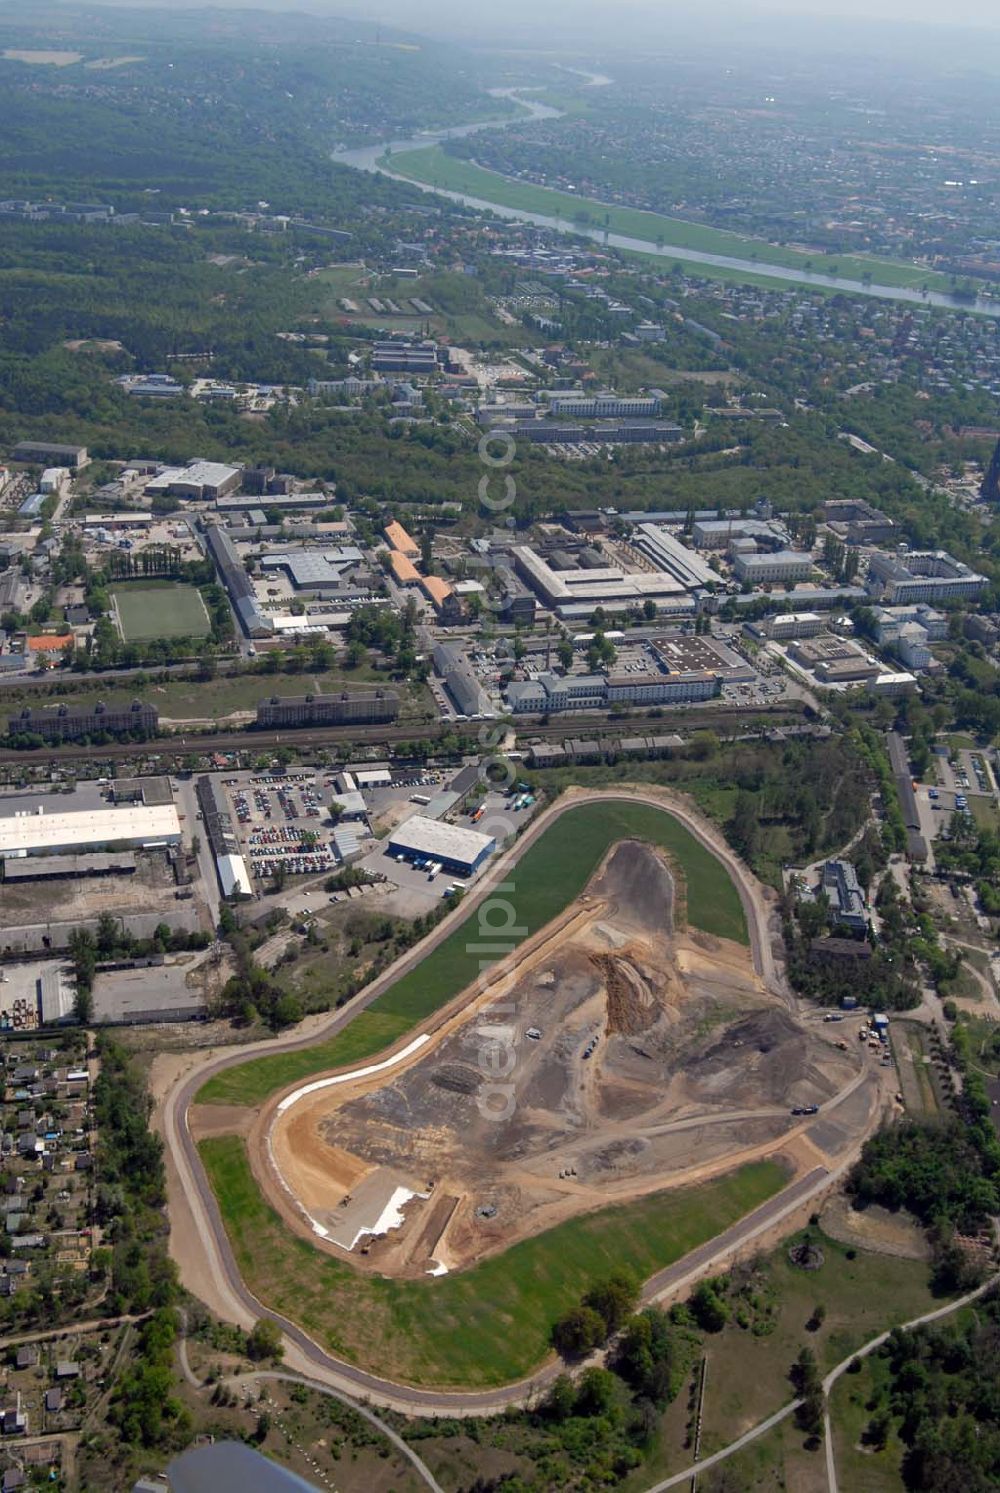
(875, 1229)
(654, 1057)
(150, 888)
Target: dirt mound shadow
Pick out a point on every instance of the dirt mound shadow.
(638, 887)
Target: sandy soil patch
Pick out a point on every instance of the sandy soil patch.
(219, 1119)
(875, 1229)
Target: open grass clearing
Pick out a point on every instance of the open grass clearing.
(983, 1045)
(985, 812)
(748, 1373)
(160, 609)
(551, 873)
(776, 1462)
(487, 1325)
(965, 986)
(435, 167)
(912, 1054)
(859, 1465)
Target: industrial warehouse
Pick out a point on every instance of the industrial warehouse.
(51, 834)
(461, 851)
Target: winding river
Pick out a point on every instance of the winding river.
(378, 157)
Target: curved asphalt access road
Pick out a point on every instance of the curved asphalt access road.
(192, 1194)
(403, 1447)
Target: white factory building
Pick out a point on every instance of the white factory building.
(671, 587)
(137, 826)
(455, 848)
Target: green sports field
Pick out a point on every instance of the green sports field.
(484, 1326)
(160, 610)
(435, 167)
(553, 871)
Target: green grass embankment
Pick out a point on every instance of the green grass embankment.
(482, 1327)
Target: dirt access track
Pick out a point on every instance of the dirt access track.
(635, 1056)
(818, 1151)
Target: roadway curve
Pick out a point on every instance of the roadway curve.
(198, 1236)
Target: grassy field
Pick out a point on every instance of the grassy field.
(484, 1326)
(547, 878)
(214, 699)
(748, 1365)
(985, 812)
(163, 609)
(909, 1040)
(859, 1465)
(433, 166)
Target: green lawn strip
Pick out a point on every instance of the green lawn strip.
(553, 871)
(483, 1326)
(436, 168)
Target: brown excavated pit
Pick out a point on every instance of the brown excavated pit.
(660, 1059)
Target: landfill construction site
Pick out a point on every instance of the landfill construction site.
(621, 1056)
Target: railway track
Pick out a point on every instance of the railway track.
(181, 742)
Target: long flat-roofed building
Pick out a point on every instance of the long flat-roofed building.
(576, 592)
(401, 541)
(54, 834)
(71, 723)
(346, 707)
(239, 587)
(603, 406)
(50, 453)
(922, 575)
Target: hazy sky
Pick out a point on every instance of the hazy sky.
(647, 15)
(616, 17)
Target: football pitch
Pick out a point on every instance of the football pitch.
(160, 611)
